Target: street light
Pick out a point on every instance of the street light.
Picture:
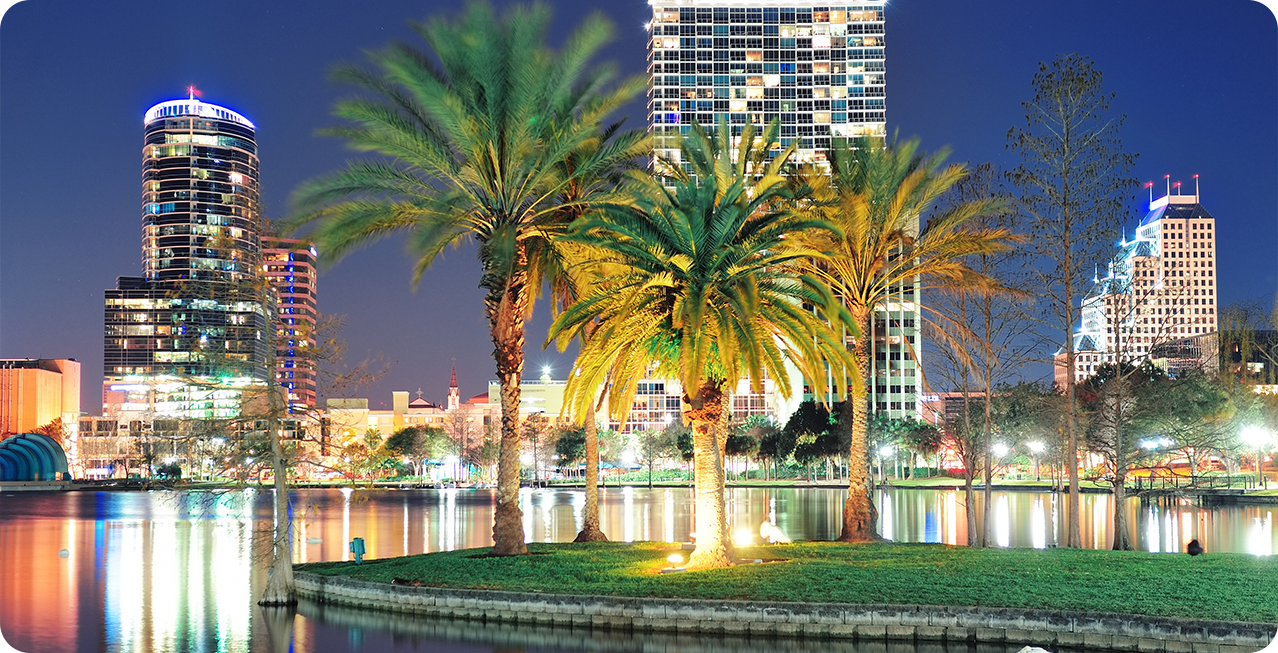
(884, 452)
(1037, 448)
(1257, 437)
(999, 450)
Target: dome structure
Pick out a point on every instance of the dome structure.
(32, 457)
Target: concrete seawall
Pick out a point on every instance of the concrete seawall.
(1053, 629)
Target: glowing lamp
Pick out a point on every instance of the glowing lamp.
(675, 558)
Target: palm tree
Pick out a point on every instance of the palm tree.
(553, 259)
(876, 195)
(698, 281)
(477, 138)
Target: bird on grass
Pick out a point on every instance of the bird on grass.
(1194, 548)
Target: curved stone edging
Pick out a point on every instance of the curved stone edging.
(808, 620)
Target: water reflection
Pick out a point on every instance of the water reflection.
(180, 572)
(379, 631)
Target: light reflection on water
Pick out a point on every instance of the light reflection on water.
(179, 572)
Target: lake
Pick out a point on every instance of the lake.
(180, 571)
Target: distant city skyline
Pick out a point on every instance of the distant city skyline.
(79, 75)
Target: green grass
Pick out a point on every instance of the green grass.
(1216, 586)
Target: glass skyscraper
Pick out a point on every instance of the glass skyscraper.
(819, 70)
(200, 216)
(186, 338)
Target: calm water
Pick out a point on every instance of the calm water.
(166, 571)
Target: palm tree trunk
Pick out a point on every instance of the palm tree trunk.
(590, 531)
(859, 514)
(506, 307)
(705, 412)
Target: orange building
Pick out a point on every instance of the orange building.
(36, 391)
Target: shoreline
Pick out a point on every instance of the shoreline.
(819, 621)
(1213, 495)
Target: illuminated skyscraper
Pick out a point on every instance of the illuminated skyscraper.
(290, 269)
(187, 337)
(819, 70)
(200, 216)
(1156, 300)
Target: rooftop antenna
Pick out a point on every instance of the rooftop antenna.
(1150, 186)
(1195, 188)
(1167, 178)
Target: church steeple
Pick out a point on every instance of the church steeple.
(454, 394)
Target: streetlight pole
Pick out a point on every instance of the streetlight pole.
(1257, 437)
(1036, 448)
(1000, 450)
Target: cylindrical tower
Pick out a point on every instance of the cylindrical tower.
(200, 216)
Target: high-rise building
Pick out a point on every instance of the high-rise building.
(819, 70)
(186, 338)
(200, 217)
(1157, 298)
(289, 268)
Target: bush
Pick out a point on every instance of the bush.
(170, 471)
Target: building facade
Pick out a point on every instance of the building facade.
(200, 216)
(36, 391)
(1157, 298)
(820, 71)
(817, 69)
(289, 268)
(187, 338)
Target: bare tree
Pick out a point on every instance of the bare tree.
(980, 335)
(1072, 184)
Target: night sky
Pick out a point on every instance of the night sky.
(1197, 80)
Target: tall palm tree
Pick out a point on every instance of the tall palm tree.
(554, 260)
(876, 195)
(477, 132)
(698, 281)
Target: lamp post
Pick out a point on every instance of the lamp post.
(1036, 448)
(1258, 437)
(999, 450)
(884, 452)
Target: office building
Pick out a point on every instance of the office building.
(200, 217)
(1156, 300)
(189, 336)
(36, 391)
(289, 267)
(819, 70)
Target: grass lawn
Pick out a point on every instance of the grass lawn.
(1216, 586)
